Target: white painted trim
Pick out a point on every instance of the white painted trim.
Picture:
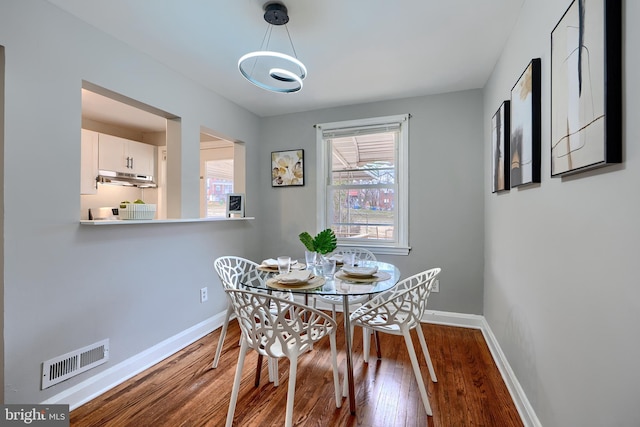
(323, 174)
(96, 385)
(527, 414)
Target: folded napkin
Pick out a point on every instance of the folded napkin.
(270, 262)
(360, 271)
(295, 276)
(273, 263)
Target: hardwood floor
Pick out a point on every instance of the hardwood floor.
(183, 390)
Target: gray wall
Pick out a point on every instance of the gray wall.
(561, 258)
(445, 187)
(66, 285)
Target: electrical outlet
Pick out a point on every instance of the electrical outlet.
(436, 286)
(204, 294)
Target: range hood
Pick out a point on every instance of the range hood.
(125, 179)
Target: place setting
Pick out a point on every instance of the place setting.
(361, 274)
(298, 279)
(280, 265)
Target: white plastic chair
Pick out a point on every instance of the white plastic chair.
(231, 270)
(360, 254)
(398, 311)
(279, 333)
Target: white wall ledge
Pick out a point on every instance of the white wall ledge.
(159, 221)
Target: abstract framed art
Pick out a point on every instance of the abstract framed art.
(586, 88)
(500, 124)
(524, 142)
(287, 168)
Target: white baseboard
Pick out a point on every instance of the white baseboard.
(527, 414)
(107, 379)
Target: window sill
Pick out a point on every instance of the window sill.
(161, 221)
(382, 250)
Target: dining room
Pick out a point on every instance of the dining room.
(536, 302)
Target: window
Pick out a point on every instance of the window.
(217, 176)
(363, 168)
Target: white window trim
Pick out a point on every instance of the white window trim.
(402, 247)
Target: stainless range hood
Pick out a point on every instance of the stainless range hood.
(125, 179)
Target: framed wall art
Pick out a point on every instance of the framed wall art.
(500, 124)
(287, 168)
(586, 87)
(524, 141)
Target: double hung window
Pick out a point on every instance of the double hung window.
(363, 171)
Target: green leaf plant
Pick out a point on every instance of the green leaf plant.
(325, 241)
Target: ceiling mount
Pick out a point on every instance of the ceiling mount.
(271, 70)
(276, 13)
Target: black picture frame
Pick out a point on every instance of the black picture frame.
(525, 132)
(500, 129)
(586, 87)
(287, 168)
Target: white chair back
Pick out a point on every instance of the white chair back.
(231, 269)
(402, 306)
(360, 253)
(278, 327)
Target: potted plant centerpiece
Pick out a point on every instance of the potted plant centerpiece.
(324, 243)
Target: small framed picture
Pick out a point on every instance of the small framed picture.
(287, 168)
(525, 129)
(235, 205)
(500, 129)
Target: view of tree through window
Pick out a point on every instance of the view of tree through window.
(217, 169)
(363, 185)
(363, 168)
(218, 182)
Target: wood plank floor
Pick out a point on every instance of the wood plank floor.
(183, 390)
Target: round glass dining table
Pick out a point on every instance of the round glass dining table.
(338, 284)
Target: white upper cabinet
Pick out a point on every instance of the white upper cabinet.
(142, 158)
(123, 155)
(88, 162)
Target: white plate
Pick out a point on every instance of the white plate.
(360, 271)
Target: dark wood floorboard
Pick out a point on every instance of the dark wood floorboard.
(183, 390)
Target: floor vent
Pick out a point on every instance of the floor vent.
(73, 363)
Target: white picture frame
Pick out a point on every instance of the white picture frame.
(235, 204)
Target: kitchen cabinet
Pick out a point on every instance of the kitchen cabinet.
(88, 162)
(123, 155)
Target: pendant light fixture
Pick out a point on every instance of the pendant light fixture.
(270, 70)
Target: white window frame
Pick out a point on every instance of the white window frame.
(401, 244)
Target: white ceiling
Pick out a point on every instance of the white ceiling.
(356, 51)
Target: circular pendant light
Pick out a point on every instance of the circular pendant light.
(271, 70)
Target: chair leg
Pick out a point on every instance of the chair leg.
(259, 370)
(416, 370)
(333, 311)
(376, 337)
(236, 384)
(223, 334)
(291, 390)
(334, 365)
(427, 356)
(273, 371)
(366, 344)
